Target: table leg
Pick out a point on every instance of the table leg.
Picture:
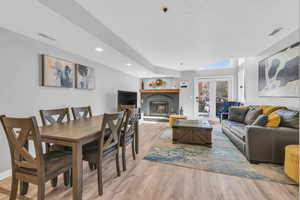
(137, 137)
(77, 171)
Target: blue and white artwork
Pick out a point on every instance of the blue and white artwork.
(57, 72)
(85, 77)
(278, 75)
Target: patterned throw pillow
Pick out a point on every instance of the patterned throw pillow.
(252, 115)
(237, 114)
(289, 118)
(261, 120)
(274, 120)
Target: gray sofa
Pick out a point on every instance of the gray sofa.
(259, 143)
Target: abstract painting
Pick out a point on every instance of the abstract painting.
(57, 72)
(278, 75)
(85, 77)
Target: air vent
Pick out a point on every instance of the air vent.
(275, 31)
(46, 36)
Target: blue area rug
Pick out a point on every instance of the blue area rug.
(223, 157)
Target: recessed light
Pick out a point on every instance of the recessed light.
(128, 64)
(98, 49)
(275, 31)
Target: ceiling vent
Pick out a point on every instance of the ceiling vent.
(275, 31)
(46, 36)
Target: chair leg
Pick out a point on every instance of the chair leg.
(23, 188)
(133, 149)
(41, 191)
(124, 156)
(54, 182)
(91, 166)
(99, 173)
(118, 164)
(14, 188)
(67, 179)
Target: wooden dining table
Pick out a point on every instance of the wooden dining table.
(75, 134)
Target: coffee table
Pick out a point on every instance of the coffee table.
(192, 132)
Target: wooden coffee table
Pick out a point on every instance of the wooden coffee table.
(192, 132)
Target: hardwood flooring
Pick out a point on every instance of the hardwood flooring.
(146, 180)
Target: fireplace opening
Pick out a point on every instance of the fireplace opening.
(159, 108)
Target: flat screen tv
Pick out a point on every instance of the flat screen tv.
(127, 98)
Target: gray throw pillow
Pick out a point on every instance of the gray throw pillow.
(237, 114)
(261, 120)
(252, 115)
(289, 118)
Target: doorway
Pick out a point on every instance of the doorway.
(210, 95)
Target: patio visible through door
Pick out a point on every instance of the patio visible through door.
(210, 95)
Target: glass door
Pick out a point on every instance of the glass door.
(210, 96)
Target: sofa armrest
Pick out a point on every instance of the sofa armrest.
(266, 144)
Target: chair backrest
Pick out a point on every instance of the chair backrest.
(48, 116)
(111, 128)
(82, 112)
(18, 131)
(131, 118)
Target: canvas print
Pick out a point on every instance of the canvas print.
(278, 75)
(85, 77)
(57, 72)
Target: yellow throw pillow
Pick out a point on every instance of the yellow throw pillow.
(273, 120)
(239, 106)
(269, 109)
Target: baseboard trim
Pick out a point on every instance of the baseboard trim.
(5, 174)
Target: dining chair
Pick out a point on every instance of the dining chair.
(36, 168)
(81, 112)
(128, 134)
(107, 145)
(54, 116)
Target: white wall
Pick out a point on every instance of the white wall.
(21, 94)
(251, 75)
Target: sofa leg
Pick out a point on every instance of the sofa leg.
(254, 162)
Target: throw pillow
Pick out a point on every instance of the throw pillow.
(252, 115)
(237, 114)
(273, 120)
(261, 120)
(269, 109)
(289, 118)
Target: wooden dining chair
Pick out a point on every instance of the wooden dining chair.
(54, 116)
(35, 168)
(81, 112)
(128, 134)
(107, 145)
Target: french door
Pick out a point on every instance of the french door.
(210, 95)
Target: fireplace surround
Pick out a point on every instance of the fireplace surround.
(155, 104)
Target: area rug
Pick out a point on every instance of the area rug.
(223, 157)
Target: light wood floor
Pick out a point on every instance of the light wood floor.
(145, 180)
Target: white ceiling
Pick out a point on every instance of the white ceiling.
(194, 32)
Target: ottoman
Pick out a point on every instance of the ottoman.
(291, 162)
(173, 118)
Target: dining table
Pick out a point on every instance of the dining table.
(75, 134)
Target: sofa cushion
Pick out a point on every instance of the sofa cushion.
(237, 114)
(238, 129)
(273, 120)
(289, 118)
(252, 115)
(261, 120)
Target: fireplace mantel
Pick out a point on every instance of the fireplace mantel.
(160, 91)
